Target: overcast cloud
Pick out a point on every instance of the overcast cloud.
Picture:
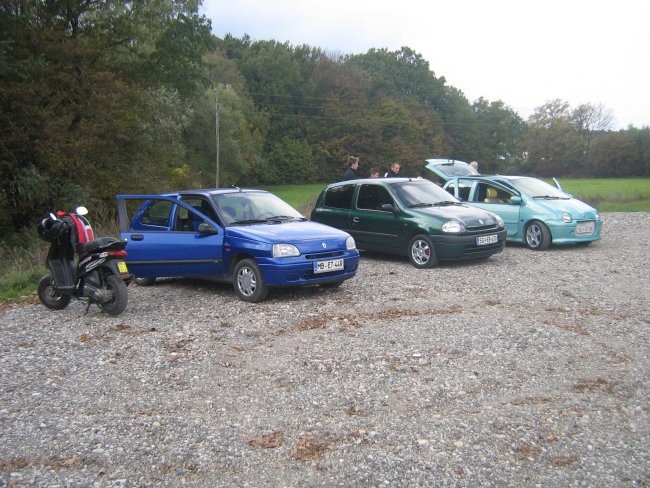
(523, 52)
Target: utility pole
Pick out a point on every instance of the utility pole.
(216, 109)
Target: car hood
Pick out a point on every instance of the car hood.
(577, 208)
(289, 232)
(470, 216)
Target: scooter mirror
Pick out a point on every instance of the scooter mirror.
(52, 216)
(81, 211)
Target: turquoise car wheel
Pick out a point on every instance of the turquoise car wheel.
(537, 235)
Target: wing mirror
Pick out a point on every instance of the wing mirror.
(387, 207)
(516, 200)
(207, 229)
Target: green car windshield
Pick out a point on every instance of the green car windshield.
(420, 193)
(539, 189)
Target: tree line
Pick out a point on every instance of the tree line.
(106, 97)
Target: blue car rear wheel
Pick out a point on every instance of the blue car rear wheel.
(249, 282)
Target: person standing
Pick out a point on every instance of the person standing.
(373, 173)
(393, 171)
(351, 172)
(474, 165)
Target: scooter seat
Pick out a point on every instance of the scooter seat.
(103, 242)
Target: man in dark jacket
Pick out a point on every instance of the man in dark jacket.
(351, 172)
(393, 171)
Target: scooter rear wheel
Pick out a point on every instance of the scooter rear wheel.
(50, 297)
(120, 295)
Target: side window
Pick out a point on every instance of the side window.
(339, 197)
(193, 219)
(488, 193)
(157, 213)
(372, 197)
(464, 187)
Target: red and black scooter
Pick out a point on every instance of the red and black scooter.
(81, 266)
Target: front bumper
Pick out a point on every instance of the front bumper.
(299, 271)
(465, 247)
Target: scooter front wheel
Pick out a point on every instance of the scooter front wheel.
(120, 294)
(49, 295)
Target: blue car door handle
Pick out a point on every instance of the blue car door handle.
(137, 237)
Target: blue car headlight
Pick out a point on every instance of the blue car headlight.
(453, 227)
(285, 250)
(566, 217)
(350, 244)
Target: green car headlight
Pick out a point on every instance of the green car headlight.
(453, 227)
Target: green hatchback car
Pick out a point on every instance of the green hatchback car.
(412, 217)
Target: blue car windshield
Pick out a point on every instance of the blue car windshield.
(422, 193)
(539, 189)
(241, 208)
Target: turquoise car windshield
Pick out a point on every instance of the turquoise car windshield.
(539, 189)
(422, 193)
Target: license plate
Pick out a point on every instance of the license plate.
(327, 266)
(121, 266)
(585, 228)
(484, 240)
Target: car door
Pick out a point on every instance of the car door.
(167, 237)
(334, 207)
(373, 227)
(496, 198)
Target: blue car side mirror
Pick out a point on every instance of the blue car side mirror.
(207, 229)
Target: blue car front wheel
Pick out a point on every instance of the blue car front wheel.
(249, 282)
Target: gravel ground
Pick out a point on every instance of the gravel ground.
(526, 369)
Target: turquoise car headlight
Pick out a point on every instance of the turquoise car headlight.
(350, 244)
(566, 217)
(453, 227)
(285, 250)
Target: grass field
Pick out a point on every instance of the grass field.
(606, 194)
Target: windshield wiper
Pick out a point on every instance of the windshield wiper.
(421, 204)
(249, 221)
(446, 203)
(549, 197)
(281, 218)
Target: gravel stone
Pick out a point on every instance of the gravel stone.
(524, 369)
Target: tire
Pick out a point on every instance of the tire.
(249, 282)
(537, 236)
(120, 295)
(49, 296)
(144, 281)
(421, 252)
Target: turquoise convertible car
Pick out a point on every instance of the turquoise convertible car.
(535, 213)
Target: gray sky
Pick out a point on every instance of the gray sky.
(524, 52)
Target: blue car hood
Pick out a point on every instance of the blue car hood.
(470, 216)
(577, 208)
(288, 232)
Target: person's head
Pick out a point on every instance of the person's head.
(395, 167)
(353, 162)
(474, 165)
(374, 173)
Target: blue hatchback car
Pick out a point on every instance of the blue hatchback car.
(250, 238)
(535, 212)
